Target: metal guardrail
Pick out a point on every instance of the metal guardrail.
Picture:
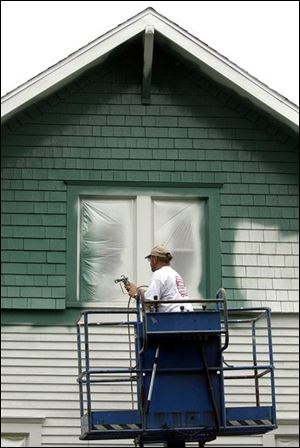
(88, 375)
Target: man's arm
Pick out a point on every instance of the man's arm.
(132, 289)
(153, 290)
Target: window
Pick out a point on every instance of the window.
(180, 224)
(21, 431)
(106, 242)
(110, 232)
(14, 440)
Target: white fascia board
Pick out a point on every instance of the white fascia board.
(208, 59)
(68, 68)
(237, 79)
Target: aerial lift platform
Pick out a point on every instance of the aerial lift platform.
(179, 377)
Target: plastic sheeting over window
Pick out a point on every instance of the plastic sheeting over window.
(110, 243)
(106, 246)
(287, 441)
(180, 225)
(10, 440)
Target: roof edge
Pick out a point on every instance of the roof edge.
(207, 58)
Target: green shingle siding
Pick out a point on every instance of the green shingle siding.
(96, 129)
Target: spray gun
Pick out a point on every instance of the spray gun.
(123, 280)
(126, 283)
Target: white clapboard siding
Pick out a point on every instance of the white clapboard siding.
(39, 370)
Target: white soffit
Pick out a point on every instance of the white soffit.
(209, 61)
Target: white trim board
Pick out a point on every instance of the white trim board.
(210, 61)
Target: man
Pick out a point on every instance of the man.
(165, 284)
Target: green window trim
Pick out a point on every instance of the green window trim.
(208, 192)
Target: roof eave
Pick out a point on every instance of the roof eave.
(69, 68)
(211, 62)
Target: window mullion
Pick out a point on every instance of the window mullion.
(144, 237)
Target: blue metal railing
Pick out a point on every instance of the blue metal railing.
(89, 375)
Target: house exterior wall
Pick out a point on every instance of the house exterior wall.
(96, 131)
(39, 371)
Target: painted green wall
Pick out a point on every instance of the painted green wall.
(194, 132)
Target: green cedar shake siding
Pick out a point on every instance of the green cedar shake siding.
(193, 132)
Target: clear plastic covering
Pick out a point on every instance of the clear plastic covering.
(180, 225)
(106, 246)
(114, 242)
(8, 440)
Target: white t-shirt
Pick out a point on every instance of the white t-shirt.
(167, 284)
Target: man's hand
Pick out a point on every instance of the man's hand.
(131, 289)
